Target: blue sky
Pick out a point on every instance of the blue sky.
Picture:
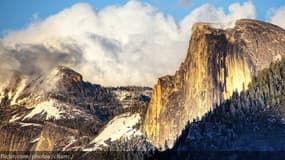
(16, 14)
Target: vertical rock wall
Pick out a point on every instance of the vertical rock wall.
(218, 63)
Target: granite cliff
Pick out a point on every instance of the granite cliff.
(219, 62)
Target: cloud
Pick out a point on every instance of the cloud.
(276, 16)
(132, 44)
(211, 14)
(31, 60)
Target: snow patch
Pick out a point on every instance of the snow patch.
(35, 140)
(14, 118)
(120, 126)
(121, 95)
(124, 97)
(50, 108)
(29, 124)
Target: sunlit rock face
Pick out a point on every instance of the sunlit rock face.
(218, 63)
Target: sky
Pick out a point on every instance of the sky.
(113, 43)
(16, 14)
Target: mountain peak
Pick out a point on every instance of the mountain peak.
(256, 23)
(63, 72)
(238, 25)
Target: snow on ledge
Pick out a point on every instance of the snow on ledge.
(14, 118)
(49, 107)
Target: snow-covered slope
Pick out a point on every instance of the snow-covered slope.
(47, 107)
(122, 126)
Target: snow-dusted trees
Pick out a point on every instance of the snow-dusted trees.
(235, 123)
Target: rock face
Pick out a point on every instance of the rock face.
(58, 111)
(218, 63)
(50, 111)
(124, 131)
(250, 121)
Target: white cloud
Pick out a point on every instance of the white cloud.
(211, 14)
(276, 16)
(133, 44)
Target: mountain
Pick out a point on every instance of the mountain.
(124, 131)
(228, 94)
(253, 120)
(58, 111)
(219, 62)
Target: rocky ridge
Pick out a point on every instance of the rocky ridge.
(58, 111)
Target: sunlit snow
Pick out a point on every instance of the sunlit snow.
(14, 118)
(48, 107)
(120, 126)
